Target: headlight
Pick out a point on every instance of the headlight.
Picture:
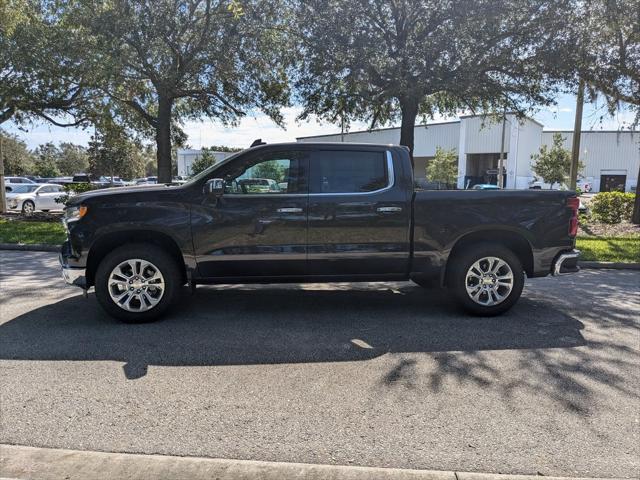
(13, 203)
(73, 214)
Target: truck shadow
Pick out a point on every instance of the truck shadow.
(269, 325)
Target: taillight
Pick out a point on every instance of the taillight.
(573, 203)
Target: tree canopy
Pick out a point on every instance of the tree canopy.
(553, 164)
(443, 168)
(162, 61)
(42, 73)
(384, 60)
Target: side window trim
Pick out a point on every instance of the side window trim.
(391, 179)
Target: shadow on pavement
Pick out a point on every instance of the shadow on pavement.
(273, 325)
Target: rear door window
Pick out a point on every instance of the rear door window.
(347, 171)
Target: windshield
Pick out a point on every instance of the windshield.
(22, 188)
(207, 171)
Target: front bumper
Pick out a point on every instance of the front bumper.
(566, 263)
(72, 275)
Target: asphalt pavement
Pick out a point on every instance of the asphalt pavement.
(380, 375)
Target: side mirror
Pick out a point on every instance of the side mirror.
(215, 186)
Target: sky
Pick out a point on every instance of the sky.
(207, 132)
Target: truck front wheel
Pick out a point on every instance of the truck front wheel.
(487, 279)
(137, 282)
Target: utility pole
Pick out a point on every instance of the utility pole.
(501, 159)
(577, 129)
(635, 216)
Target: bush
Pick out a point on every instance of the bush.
(73, 189)
(612, 207)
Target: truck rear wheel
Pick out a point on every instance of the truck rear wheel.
(487, 279)
(137, 283)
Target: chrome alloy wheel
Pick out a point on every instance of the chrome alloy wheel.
(136, 285)
(28, 208)
(489, 281)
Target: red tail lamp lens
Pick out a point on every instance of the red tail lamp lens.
(573, 203)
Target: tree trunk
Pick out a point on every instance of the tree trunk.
(635, 218)
(3, 196)
(163, 140)
(409, 110)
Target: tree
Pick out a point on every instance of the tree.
(113, 153)
(46, 160)
(271, 169)
(17, 159)
(167, 60)
(443, 168)
(72, 159)
(204, 161)
(553, 164)
(384, 60)
(40, 78)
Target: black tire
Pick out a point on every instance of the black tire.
(28, 204)
(463, 261)
(164, 262)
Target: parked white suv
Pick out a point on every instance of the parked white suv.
(18, 180)
(30, 197)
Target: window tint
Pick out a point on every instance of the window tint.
(47, 190)
(335, 171)
(268, 174)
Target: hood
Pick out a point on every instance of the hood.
(113, 191)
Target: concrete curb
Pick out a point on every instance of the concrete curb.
(611, 265)
(31, 247)
(43, 247)
(18, 462)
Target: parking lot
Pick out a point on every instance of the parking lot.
(354, 374)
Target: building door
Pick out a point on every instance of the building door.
(612, 183)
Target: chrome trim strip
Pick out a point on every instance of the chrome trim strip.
(563, 258)
(265, 195)
(289, 210)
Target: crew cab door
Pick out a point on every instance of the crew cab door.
(359, 213)
(258, 227)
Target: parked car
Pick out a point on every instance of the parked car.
(115, 181)
(350, 213)
(31, 197)
(146, 181)
(18, 180)
(258, 185)
(584, 185)
(485, 186)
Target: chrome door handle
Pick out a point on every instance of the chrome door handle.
(289, 210)
(389, 209)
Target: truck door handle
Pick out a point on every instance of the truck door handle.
(289, 210)
(388, 209)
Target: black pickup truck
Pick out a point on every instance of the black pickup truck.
(304, 212)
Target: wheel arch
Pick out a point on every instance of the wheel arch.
(514, 241)
(110, 241)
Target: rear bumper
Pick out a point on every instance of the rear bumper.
(566, 263)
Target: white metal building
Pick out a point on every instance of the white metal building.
(186, 157)
(611, 158)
